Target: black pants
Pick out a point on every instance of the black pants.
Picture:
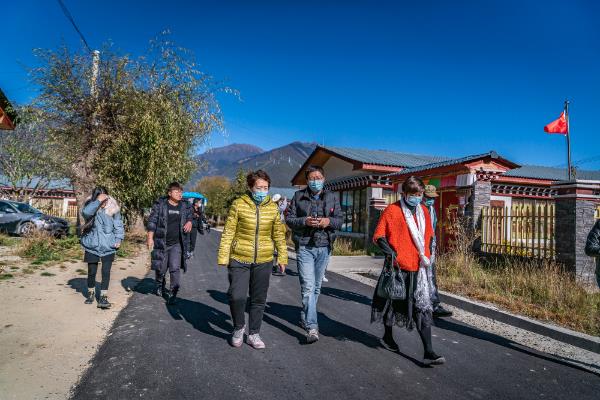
(193, 236)
(172, 263)
(243, 278)
(93, 262)
(424, 333)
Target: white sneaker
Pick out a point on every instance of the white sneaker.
(256, 342)
(237, 338)
(325, 279)
(312, 336)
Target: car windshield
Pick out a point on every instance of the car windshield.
(26, 208)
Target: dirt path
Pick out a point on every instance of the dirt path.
(48, 335)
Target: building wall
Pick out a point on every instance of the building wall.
(337, 168)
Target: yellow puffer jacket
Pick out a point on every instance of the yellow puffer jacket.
(242, 233)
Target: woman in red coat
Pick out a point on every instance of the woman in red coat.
(405, 235)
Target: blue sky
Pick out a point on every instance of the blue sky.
(434, 77)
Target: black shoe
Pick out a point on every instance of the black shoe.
(389, 343)
(158, 291)
(172, 298)
(277, 271)
(91, 296)
(103, 302)
(433, 359)
(441, 312)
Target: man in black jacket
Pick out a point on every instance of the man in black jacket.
(314, 216)
(592, 247)
(169, 225)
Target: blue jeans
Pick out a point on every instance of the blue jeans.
(312, 263)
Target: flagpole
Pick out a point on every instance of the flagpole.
(568, 140)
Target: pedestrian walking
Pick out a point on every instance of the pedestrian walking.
(102, 235)
(429, 197)
(197, 226)
(315, 216)
(592, 247)
(404, 233)
(282, 204)
(252, 232)
(169, 225)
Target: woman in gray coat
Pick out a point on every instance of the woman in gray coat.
(102, 235)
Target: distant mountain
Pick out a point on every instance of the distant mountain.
(281, 163)
(215, 159)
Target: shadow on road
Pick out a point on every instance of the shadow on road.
(79, 285)
(449, 325)
(202, 317)
(143, 286)
(345, 295)
(291, 314)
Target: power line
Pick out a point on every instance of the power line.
(70, 18)
(582, 161)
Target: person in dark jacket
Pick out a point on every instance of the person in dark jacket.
(592, 247)
(197, 226)
(169, 225)
(314, 215)
(429, 202)
(103, 233)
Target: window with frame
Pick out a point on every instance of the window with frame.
(354, 210)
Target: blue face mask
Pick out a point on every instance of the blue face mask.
(429, 202)
(414, 201)
(259, 197)
(316, 186)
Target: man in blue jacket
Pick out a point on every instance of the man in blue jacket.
(314, 215)
(169, 225)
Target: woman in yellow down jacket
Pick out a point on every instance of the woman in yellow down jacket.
(252, 232)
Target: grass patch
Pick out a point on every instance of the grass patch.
(81, 271)
(6, 240)
(46, 273)
(6, 276)
(539, 290)
(348, 247)
(42, 248)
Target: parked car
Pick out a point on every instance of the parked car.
(22, 219)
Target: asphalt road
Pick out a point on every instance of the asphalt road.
(156, 351)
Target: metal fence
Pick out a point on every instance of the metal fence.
(522, 230)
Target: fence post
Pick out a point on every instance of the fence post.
(576, 202)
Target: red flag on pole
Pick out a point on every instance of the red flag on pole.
(558, 126)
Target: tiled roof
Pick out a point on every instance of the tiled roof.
(385, 157)
(453, 161)
(63, 184)
(550, 173)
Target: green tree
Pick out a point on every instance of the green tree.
(138, 129)
(238, 188)
(216, 189)
(28, 160)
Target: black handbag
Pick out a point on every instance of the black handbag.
(391, 282)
